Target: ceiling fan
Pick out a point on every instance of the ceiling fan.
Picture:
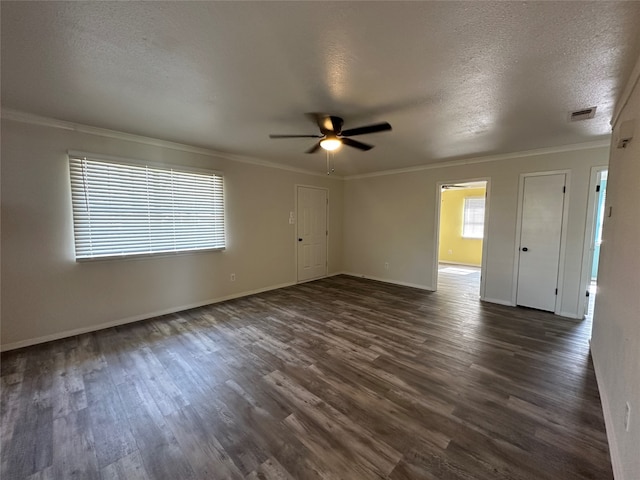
(332, 136)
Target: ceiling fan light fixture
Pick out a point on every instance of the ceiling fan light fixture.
(330, 143)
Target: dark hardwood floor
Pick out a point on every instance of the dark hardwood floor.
(342, 378)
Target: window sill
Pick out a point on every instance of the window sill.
(138, 256)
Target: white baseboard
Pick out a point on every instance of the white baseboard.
(328, 275)
(510, 304)
(616, 463)
(334, 274)
(387, 280)
(448, 262)
(570, 315)
(135, 318)
(497, 301)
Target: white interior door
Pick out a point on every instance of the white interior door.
(312, 233)
(540, 235)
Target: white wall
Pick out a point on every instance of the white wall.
(615, 344)
(391, 218)
(45, 293)
(388, 218)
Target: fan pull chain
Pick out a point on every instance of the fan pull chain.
(330, 165)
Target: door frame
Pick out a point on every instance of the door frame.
(295, 230)
(589, 238)
(563, 236)
(485, 238)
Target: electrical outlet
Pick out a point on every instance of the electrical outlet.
(386, 265)
(233, 277)
(627, 416)
(450, 252)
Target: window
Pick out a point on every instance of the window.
(473, 223)
(122, 209)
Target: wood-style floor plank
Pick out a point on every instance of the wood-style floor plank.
(130, 467)
(341, 378)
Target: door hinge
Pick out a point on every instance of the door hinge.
(597, 188)
(326, 232)
(587, 293)
(327, 201)
(556, 291)
(564, 189)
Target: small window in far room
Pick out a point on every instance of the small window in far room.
(123, 209)
(473, 222)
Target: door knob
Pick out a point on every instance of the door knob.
(299, 239)
(525, 249)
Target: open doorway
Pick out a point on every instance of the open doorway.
(599, 200)
(461, 229)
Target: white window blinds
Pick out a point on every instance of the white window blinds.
(473, 225)
(122, 209)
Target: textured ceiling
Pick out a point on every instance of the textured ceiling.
(454, 79)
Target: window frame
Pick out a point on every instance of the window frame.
(466, 224)
(76, 155)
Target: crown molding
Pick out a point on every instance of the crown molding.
(24, 117)
(489, 158)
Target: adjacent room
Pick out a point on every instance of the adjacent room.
(320, 240)
(460, 234)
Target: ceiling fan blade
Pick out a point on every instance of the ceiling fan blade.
(295, 136)
(327, 123)
(356, 144)
(336, 124)
(377, 127)
(314, 149)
